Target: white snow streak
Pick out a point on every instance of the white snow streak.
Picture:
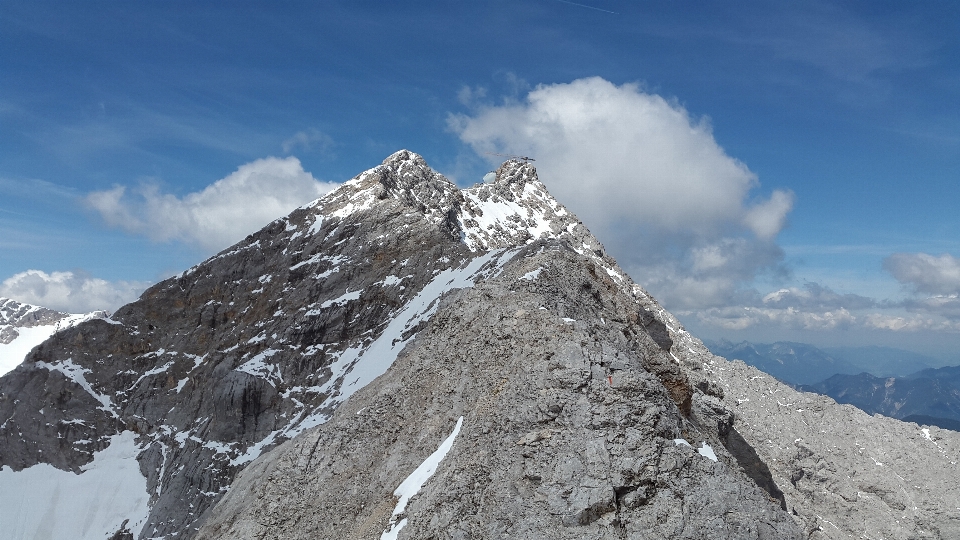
(257, 367)
(76, 373)
(358, 366)
(347, 297)
(532, 275)
(413, 483)
(706, 451)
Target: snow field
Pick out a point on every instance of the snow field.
(43, 502)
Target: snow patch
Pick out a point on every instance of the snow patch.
(358, 366)
(76, 373)
(346, 297)
(315, 226)
(12, 354)
(392, 280)
(413, 483)
(257, 367)
(532, 275)
(706, 451)
(496, 215)
(152, 372)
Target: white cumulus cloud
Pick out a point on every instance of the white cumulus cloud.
(926, 273)
(651, 181)
(70, 292)
(219, 215)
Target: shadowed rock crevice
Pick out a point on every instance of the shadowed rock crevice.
(752, 465)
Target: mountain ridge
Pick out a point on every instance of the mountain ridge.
(277, 353)
(301, 300)
(24, 326)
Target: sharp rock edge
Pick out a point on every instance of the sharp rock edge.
(287, 386)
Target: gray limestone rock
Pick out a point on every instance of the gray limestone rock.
(841, 472)
(264, 340)
(566, 432)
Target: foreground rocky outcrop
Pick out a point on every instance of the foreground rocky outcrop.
(571, 416)
(843, 472)
(287, 388)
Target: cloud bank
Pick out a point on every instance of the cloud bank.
(682, 216)
(70, 292)
(651, 181)
(817, 308)
(219, 215)
(925, 273)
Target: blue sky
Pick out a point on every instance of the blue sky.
(838, 126)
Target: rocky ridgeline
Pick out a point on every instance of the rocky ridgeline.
(574, 405)
(15, 315)
(24, 326)
(214, 366)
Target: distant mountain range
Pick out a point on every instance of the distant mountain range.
(878, 380)
(930, 396)
(883, 361)
(793, 363)
(801, 363)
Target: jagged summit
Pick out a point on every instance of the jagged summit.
(516, 209)
(15, 315)
(266, 339)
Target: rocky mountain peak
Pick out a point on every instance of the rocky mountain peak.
(403, 178)
(24, 326)
(515, 171)
(288, 385)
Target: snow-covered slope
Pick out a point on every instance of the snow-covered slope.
(23, 327)
(45, 502)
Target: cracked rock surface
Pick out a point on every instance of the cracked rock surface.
(568, 430)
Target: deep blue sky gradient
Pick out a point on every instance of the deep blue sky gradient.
(854, 106)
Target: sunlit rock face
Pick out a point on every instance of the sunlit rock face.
(294, 384)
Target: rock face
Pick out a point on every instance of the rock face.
(845, 473)
(326, 359)
(570, 411)
(267, 338)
